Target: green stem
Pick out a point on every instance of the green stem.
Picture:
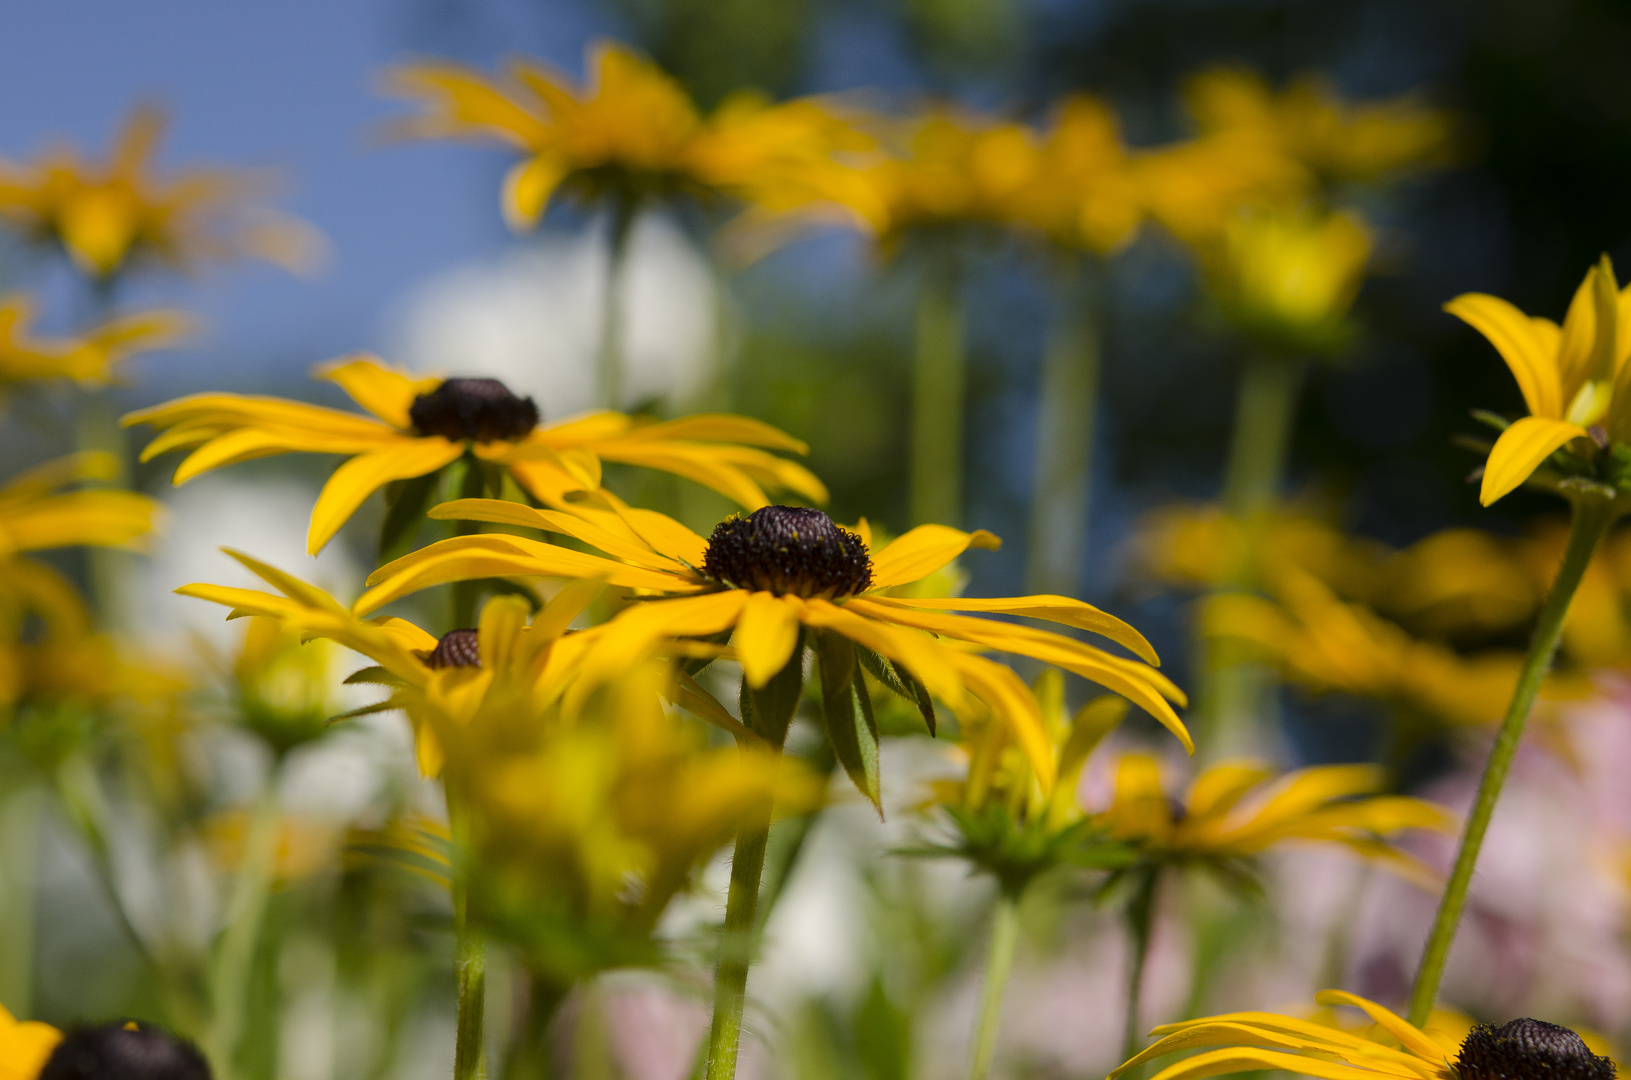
(1064, 438)
(1593, 514)
(20, 839)
(1140, 917)
(938, 389)
(609, 360)
(473, 484)
(1234, 697)
(246, 916)
(999, 963)
(736, 946)
(470, 959)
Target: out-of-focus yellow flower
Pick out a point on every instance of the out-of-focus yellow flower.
(301, 848)
(1288, 277)
(632, 133)
(1199, 546)
(1196, 187)
(1574, 378)
(1236, 810)
(285, 686)
(1308, 122)
(420, 425)
(106, 215)
(24, 1046)
(90, 359)
(784, 571)
(1326, 645)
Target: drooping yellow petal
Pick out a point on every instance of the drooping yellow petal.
(1519, 452)
(528, 187)
(1214, 1032)
(921, 551)
(766, 633)
(577, 526)
(1219, 788)
(382, 390)
(1411, 1037)
(1008, 696)
(365, 474)
(97, 518)
(1220, 1062)
(1059, 609)
(916, 651)
(1520, 344)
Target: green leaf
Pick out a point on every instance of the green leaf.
(847, 707)
(408, 500)
(768, 711)
(374, 676)
(387, 705)
(902, 682)
(1494, 420)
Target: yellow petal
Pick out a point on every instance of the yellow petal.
(1519, 452)
(97, 518)
(527, 189)
(766, 633)
(1218, 789)
(923, 550)
(364, 474)
(1520, 344)
(1007, 695)
(1220, 1062)
(930, 662)
(383, 391)
(1410, 1036)
(1059, 609)
(720, 427)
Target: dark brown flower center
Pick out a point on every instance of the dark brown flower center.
(458, 648)
(116, 1052)
(1529, 1050)
(788, 549)
(479, 409)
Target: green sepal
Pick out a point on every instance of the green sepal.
(902, 682)
(768, 711)
(387, 705)
(373, 676)
(846, 706)
(408, 500)
(695, 665)
(1494, 420)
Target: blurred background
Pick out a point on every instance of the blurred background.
(817, 339)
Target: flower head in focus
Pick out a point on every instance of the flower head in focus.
(1237, 810)
(631, 134)
(91, 358)
(421, 425)
(1575, 381)
(108, 215)
(24, 1046)
(1249, 1041)
(786, 576)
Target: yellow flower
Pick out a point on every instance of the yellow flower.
(24, 1046)
(1392, 1047)
(1288, 277)
(632, 133)
(1085, 191)
(1309, 123)
(782, 571)
(89, 359)
(1574, 378)
(420, 425)
(1236, 810)
(106, 215)
(1195, 188)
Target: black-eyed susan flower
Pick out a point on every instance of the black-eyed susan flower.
(107, 215)
(784, 575)
(24, 1046)
(631, 134)
(1523, 1049)
(1573, 378)
(89, 359)
(124, 1048)
(420, 425)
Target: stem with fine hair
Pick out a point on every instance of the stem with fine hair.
(1140, 917)
(470, 957)
(939, 381)
(1593, 513)
(999, 963)
(1066, 410)
(609, 358)
(1232, 696)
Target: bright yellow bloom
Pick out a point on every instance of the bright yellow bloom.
(1195, 188)
(1236, 810)
(106, 215)
(1309, 123)
(89, 359)
(632, 133)
(421, 424)
(1288, 277)
(24, 1046)
(1574, 378)
(784, 570)
(1085, 191)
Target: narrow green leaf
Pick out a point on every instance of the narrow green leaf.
(847, 709)
(373, 676)
(901, 681)
(768, 711)
(378, 707)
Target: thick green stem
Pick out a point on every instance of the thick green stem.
(938, 389)
(246, 915)
(736, 946)
(1064, 439)
(999, 963)
(470, 959)
(609, 359)
(20, 839)
(1140, 917)
(1234, 696)
(1593, 514)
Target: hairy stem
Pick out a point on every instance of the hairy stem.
(470, 959)
(736, 947)
(1591, 520)
(999, 963)
(938, 389)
